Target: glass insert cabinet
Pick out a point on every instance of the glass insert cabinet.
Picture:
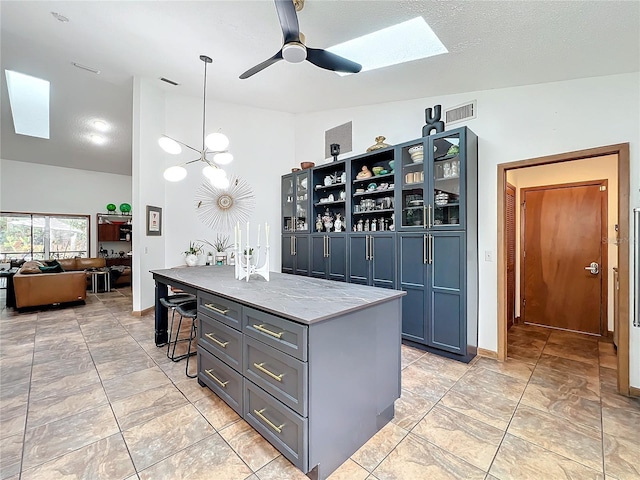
(402, 217)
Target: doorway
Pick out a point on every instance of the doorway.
(620, 248)
(561, 256)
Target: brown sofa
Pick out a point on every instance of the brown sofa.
(34, 289)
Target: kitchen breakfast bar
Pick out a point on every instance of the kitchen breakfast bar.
(313, 365)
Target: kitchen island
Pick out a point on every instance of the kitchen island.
(313, 365)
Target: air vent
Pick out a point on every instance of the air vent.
(460, 113)
(171, 82)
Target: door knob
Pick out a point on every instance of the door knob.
(594, 268)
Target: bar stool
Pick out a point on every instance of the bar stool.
(185, 310)
(192, 335)
(171, 303)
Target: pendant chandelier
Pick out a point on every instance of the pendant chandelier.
(214, 144)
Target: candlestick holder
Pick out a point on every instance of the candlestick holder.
(249, 260)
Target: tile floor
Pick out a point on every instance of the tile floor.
(85, 394)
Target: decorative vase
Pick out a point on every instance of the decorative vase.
(221, 258)
(191, 260)
(379, 144)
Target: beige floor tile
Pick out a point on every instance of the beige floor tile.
(567, 366)
(523, 353)
(451, 369)
(425, 381)
(489, 380)
(349, 470)
(563, 404)
(13, 399)
(409, 355)
(15, 424)
(556, 381)
(519, 459)
(465, 437)
(487, 406)
(578, 442)
(147, 405)
(10, 456)
(621, 458)
(410, 408)
(623, 423)
(61, 368)
(250, 446)
(106, 458)
(527, 330)
(564, 336)
(210, 458)
(50, 409)
(15, 369)
(57, 438)
(165, 435)
(415, 458)
(378, 447)
(58, 386)
(579, 350)
(279, 469)
(124, 365)
(133, 383)
(510, 367)
(191, 389)
(217, 413)
(106, 354)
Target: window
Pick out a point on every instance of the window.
(33, 236)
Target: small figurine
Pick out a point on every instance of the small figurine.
(374, 225)
(360, 225)
(338, 223)
(364, 173)
(318, 224)
(366, 225)
(381, 224)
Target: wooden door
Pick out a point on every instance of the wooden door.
(563, 228)
(510, 227)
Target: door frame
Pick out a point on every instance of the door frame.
(622, 151)
(604, 258)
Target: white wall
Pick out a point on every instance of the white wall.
(262, 143)
(598, 168)
(512, 124)
(32, 187)
(148, 189)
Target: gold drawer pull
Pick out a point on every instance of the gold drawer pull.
(260, 367)
(213, 307)
(267, 421)
(216, 379)
(267, 331)
(211, 337)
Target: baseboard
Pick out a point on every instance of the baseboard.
(487, 353)
(634, 391)
(141, 313)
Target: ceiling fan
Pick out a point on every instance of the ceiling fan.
(295, 51)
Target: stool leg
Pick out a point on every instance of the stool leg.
(175, 342)
(192, 335)
(173, 313)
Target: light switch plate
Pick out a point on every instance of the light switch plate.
(488, 256)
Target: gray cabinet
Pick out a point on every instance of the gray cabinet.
(295, 206)
(329, 257)
(372, 259)
(295, 254)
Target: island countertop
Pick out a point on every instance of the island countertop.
(304, 300)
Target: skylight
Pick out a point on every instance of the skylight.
(400, 43)
(29, 100)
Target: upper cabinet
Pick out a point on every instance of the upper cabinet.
(330, 192)
(295, 201)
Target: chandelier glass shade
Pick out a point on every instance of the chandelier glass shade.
(213, 153)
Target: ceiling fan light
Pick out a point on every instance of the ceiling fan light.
(294, 52)
(175, 174)
(223, 158)
(217, 142)
(169, 145)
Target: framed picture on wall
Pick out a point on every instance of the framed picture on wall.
(154, 221)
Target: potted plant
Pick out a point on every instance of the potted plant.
(191, 254)
(220, 245)
(209, 258)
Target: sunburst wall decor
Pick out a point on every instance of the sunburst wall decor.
(221, 209)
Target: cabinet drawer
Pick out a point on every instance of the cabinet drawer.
(279, 374)
(222, 379)
(282, 427)
(284, 335)
(224, 342)
(223, 310)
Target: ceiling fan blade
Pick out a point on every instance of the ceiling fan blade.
(331, 61)
(261, 66)
(288, 20)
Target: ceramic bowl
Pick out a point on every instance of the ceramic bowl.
(306, 165)
(391, 162)
(415, 149)
(295, 169)
(377, 170)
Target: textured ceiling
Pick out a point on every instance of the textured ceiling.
(492, 45)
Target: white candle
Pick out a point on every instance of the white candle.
(235, 236)
(266, 230)
(239, 240)
(258, 244)
(247, 238)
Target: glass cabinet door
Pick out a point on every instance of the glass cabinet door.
(445, 181)
(413, 182)
(288, 194)
(302, 202)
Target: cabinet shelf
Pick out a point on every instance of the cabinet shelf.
(374, 178)
(373, 192)
(328, 187)
(450, 204)
(336, 202)
(374, 212)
